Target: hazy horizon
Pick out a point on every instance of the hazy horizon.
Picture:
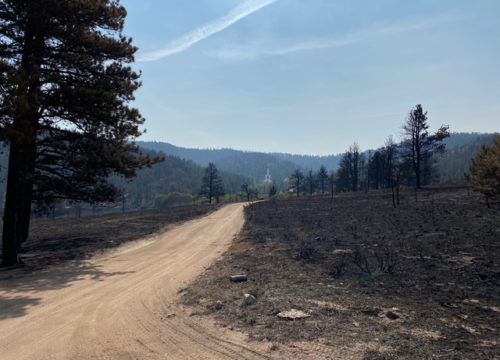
(312, 78)
(289, 153)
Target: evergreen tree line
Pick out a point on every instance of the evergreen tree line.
(409, 162)
(173, 175)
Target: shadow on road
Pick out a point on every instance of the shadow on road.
(18, 287)
(15, 306)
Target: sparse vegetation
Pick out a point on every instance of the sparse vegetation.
(421, 279)
(173, 199)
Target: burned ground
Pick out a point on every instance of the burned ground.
(53, 241)
(419, 281)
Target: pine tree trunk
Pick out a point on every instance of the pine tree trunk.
(12, 207)
(26, 196)
(417, 173)
(25, 123)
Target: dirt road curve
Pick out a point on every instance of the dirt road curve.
(122, 305)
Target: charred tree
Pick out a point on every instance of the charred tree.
(419, 144)
(322, 178)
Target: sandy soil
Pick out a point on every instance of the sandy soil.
(122, 305)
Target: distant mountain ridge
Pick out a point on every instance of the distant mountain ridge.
(253, 165)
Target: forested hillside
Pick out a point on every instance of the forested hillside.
(171, 175)
(331, 162)
(460, 139)
(455, 162)
(461, 147)
(251, 165)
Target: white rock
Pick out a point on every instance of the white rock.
(293, 314)
(249, 299)
(219, 305)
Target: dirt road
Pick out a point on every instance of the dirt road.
(122, 305)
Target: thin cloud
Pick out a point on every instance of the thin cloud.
(253, 52)
(189, 39)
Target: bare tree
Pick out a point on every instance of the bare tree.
(393, 173)
(322, 177)
(332, 183)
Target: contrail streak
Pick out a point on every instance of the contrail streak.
(187, 40)
(251, 52)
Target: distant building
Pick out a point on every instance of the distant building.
(267, 178)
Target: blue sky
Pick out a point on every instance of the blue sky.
(312, 76)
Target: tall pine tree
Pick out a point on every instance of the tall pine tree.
(64, 108)
(211, 184)
(420, 145)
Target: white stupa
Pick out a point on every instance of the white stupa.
(267, 178)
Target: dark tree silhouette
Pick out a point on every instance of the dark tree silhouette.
(332, 183)
(376, 170)
(247, 190)
(311, 182)
(212, 186)
(273, 190)
(354, 170)
(322, 178)
(297, 178)
(348, 172)
(392, 169)
(219, 189)
(64, 106)
(419, 144)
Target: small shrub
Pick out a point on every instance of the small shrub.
(173, 199)
(339, 265)
(387, 258)
(359, 259)
(305, 252)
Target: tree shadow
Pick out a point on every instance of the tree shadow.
(53, 278)
(18, 287)
(16, 306)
